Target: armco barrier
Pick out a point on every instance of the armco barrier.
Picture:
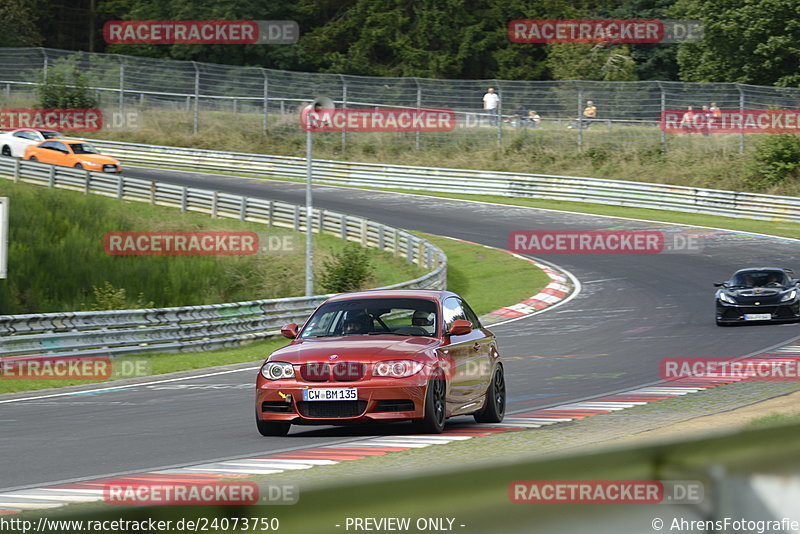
(509, 184)
(192, 328)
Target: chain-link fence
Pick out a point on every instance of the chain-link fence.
(268, 100)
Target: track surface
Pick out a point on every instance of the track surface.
(633, 311)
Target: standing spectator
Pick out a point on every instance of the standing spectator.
(490, 103)
(687, 121)
(706, 118)
(716, 114)
(589, 113)
(534, 119)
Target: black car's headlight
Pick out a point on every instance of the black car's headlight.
(789, 295)
(725, 297)
(277, 370)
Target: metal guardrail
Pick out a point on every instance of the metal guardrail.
(508, 184)
(192, 328)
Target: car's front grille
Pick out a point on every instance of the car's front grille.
(331, 409)
(335, 372)
(399, 405)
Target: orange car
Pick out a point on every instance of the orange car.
(72, 153)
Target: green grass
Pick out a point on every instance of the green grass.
(488, 278)
(775, 419)
(57, 261)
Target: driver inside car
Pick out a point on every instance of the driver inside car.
(357, 323)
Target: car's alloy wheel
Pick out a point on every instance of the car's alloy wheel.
(495, 406)
(272, 428)
(435, 406)
(7, 151)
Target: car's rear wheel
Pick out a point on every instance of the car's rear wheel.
(7, 151)
(435, 406)
(272, 428)
(78, 166)
(495, 406)
(33, 158)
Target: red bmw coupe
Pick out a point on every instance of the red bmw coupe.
(383, 355)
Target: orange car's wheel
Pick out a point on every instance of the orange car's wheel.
(435, 406)
(32, 158)
(78, 166)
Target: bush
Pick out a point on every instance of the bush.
(347, 270)
(776, 160)
(65, 91)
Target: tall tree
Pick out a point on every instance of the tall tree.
(17, 24)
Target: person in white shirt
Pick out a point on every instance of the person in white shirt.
(491, 103)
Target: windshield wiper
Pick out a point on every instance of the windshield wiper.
(387, 332)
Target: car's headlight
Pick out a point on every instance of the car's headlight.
(277, 370)
(790, 295)
(725, 297)
(396, 368)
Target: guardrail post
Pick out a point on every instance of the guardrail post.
(364, 232)
(153, 187)
(16, 170)
(51, 182)
(236, 105)
(409, 250)
(88, 182)
(296, 218)
(214, 204)
(120, 187)
(343, 227)
(184, 198)
(243, 208)
(321, 227)
(270, 214)
(421, 253)
(381, 244)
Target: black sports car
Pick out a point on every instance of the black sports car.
(758, 294)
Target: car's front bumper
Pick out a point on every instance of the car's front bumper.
(779, 312)
(379, 399)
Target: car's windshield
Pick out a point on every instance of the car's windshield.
(51, 135)
(373, 316)
(84, 148)
(760, 279)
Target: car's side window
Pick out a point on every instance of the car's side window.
(61, 147)
(451, 311)
(471, 316)
(25, 135)
(48, 144)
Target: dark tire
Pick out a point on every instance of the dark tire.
(495, 406)
(272, 428)
(33, 158)
(6, 151)
(720, 323)
(435, 407)
(78, 166)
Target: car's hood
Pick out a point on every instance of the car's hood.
(97, 158)
(354, 348)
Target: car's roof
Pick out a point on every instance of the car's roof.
(12, 130)
(68, 140)
(428, 294)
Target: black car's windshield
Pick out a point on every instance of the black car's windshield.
(84, 148)
(373, 316)
(748, 279)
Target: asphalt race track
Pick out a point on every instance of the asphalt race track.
(632, 311)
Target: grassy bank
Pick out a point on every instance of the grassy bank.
(616, 152)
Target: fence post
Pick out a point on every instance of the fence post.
(121, 87)
(51, 182)
(120, 187)
(153, 193)
(16, 170)
(343, 227)
(321, 227)
(741, 113)
(270, 214)
(243, 208)
(419, 106)
(196, 126)
(184, 198)
(44, 69)
(344, 106)
(499, 114)
(266, 106)
(579, 122)
(214, 204)
(661, 117)
(296, 218)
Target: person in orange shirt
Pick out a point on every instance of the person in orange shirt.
(589, 113)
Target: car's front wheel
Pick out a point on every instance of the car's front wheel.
(435, 406)
(272, 428)
(495, 406)
(32, 158)
(78, 166)
(6, 151)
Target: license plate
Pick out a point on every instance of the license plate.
(330, 394)
(757, 316)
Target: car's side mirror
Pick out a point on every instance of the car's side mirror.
(721, 284)
(460, 327)
(290, 331)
